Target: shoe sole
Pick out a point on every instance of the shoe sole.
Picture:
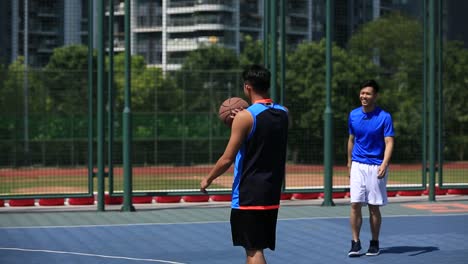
(354, 254)
(372, 254)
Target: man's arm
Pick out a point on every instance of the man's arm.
(389, 142)
(350, 149)
(241, 126)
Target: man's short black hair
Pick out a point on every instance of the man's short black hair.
(258, 77)
(370, 83)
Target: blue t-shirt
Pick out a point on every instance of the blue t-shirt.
(369, 130)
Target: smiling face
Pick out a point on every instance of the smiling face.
(368, 98)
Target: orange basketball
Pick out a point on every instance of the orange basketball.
(227, 106)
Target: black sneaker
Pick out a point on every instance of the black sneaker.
(355, 250)
(373, 248)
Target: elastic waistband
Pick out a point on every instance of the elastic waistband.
(259, 207)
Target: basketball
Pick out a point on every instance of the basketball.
(227, 106)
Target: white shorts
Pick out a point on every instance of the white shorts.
(365, 186)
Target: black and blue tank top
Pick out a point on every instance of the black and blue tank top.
(260, 163)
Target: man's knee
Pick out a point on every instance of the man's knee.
(374, 209)
(253, 252)
(356, 206)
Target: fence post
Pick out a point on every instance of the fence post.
(127, 119)
(274, 44)
(424, 94)
(283, 49)
(328, 114)
(100, 105)
(266, 31)
(440, 75)
(432, 114)
(27, 157)
(90, 96)
(110, 99)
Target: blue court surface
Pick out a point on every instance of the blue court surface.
(412, 232)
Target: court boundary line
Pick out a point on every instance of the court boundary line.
(88, 255)
(224, 222)
(366, 216)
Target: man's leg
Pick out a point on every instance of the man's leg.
(255, 256)
(358, 196)
(356, 220)
(375, 219)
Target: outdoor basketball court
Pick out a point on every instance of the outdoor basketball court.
(413, 231)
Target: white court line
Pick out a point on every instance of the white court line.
(111, 225)
(89, 255)
(367, 216)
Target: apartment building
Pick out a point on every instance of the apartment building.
(164, 31)
(50, 24)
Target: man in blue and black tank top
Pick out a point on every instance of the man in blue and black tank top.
(257, 145)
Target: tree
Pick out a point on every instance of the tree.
(66, 78)
(393, 42)
(12, 103)
(144, 82)
(398, 54)
(455, 89)
(12, 99)
(208, 76)
(152, 94)
(252, 52)
(305, 81)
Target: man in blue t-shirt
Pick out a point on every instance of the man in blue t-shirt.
(370, 147)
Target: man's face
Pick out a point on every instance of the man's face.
(368, 96)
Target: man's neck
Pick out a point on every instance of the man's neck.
(369, 108)
(257, 97)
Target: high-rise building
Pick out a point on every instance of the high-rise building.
(351, 14)
(164, 31)
(5, 32)
(454, 27)
(50, 24)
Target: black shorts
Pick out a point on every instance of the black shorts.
(254, 229)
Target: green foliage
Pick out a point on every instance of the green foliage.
(455, 87)
(65, 78)
(150, 91)
(211, 58)
(142, 84)
(252, 52)
(208, 75)
(394, 43)
(11, 99)
(305, 80)
(69, 58)
(175, 112)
